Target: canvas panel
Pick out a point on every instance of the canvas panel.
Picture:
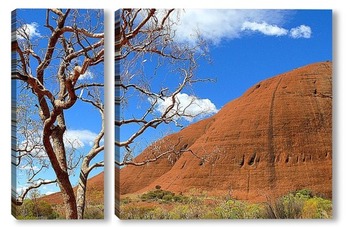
(57, 113)
(224, 114)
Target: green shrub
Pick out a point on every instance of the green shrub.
(161, 196)
(168, 198)
(317, 208)
(135, 212)
(149, 196)
(94, 212)
(126, 200)
(187, 211)
(300, 204)
(34, 209)
(304, 193)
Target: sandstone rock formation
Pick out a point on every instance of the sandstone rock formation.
(94, 193)
(275, 138)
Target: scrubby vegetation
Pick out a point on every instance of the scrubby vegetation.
(161, 204)
(32, 209)
(40, 209)
(300, 204)
(162, 196)
(94, 212)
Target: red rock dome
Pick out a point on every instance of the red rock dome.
(275, 138)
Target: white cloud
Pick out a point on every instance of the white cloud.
(30, 30)
(87, 75)
(215, 25)
(80, 138)
(264, 28)
(301, 31)
(190, 107)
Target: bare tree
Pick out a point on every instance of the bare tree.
(50, 78)
(148, 36)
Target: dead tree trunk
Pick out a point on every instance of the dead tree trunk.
(81, 194)
(54, 145)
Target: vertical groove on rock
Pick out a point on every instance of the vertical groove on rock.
(248, 185)
(270, 142)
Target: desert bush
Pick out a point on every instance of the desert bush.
(135, 212)
(94, 212)
(158, 213)
(148, 196)
(317, 208)
(304, 193)
(254, 211)
(234, 209)
(188, 211)
(161, 196)
(299, 204)
(180, 198)
(168, 198)
(158, 187)
(126, 200)
(34, 209)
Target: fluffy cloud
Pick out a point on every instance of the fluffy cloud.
(215, 25)
(301, 31)
(264, 28)
(80, 138)
(190, 107)
(30, 30)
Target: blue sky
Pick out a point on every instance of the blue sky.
(245, 47)
(83, 121)
(241, 62)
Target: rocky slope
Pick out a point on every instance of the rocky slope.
(275, 138)
(94, 193)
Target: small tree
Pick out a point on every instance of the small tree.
(34, 208)
(158, 187)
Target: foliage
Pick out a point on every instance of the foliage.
(162, 196)
(233, 209)
(33, 209)
(317, 208)
(160, 204)
(94, 212)
(300, 204)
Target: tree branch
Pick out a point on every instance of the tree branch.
(19, 200)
